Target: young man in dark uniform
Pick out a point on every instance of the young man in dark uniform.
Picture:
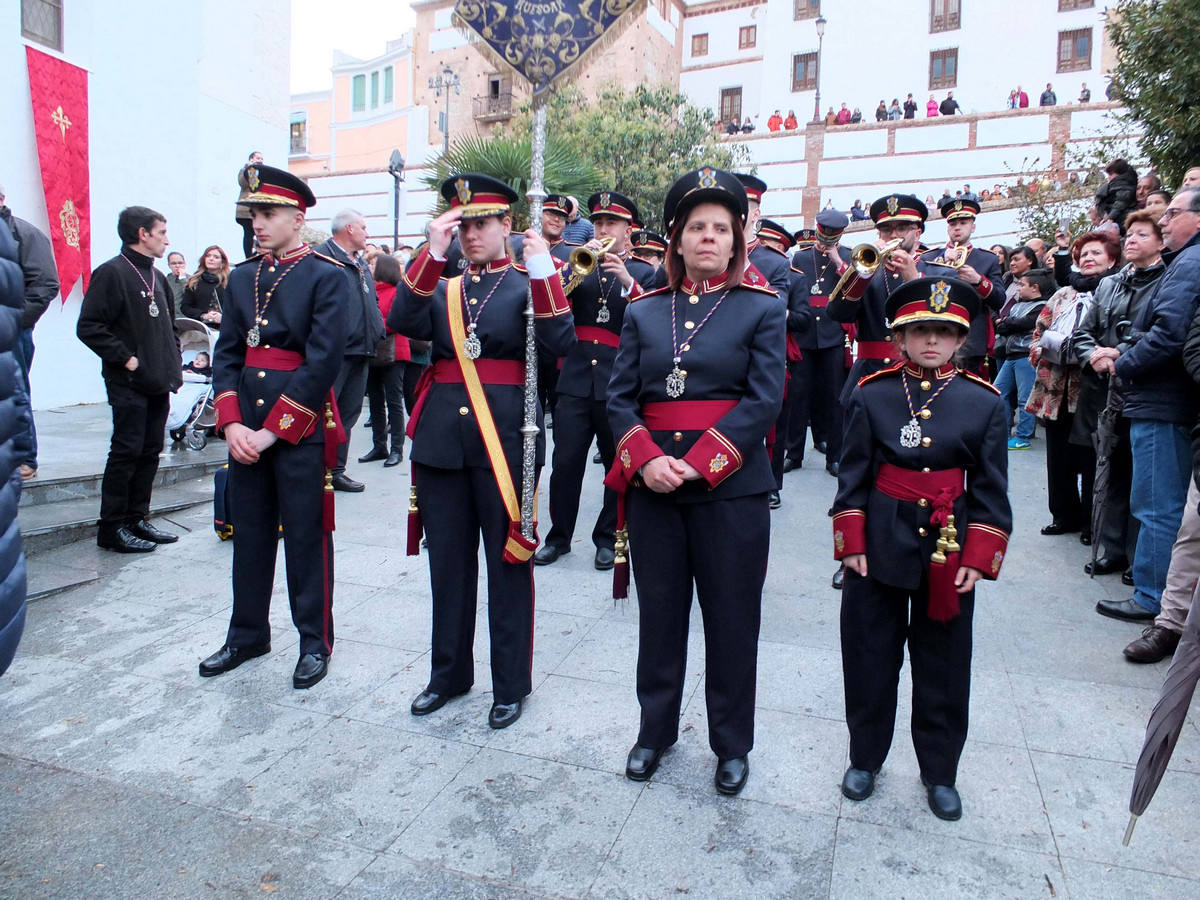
(770, 264)
(649, 247)
(924, 466)
(466, 430)
(554, 220)
(283, 335)
(977, 267)
(580, 414)
(128, 319)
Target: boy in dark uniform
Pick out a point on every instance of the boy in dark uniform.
(649, 247)
(281, 345)
(924, 467)
(598, 304)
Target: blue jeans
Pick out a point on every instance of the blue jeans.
(1162, 468)
(1016, 376)
(25, 435)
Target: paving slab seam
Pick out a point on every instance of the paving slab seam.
(1183, 876)
(487, 882)
(432, 800)
(608, 854)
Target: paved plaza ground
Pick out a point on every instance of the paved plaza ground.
(123, 774)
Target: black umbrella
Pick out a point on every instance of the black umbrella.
(1167, 717)
(1105, 440)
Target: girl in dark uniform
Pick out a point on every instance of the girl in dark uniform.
(696, 385)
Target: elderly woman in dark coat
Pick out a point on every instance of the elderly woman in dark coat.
(12, 559)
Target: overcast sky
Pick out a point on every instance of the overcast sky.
(361, 28)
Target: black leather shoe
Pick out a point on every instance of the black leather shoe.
(858, 784)
(1106, 565)
(430, 701)
(774, 501)
(229, 658)
(1059, 528)
(1125, 610)
(789, 464)
(309, 670)
(394, 459)
(606, 558)
(123, 541)
(1155, 645)
(1127, 577)
(504, 714)
(343, 482)
(839, 577)
(376, 454)
(731, 775)
(833, 468)
(548, 553)
(944, 802)
(148, 532)
(821, 446)
(642, 763)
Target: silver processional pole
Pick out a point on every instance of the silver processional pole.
(529, 429)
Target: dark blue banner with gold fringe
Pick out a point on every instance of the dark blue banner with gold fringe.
(542, 39)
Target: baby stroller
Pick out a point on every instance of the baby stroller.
(192, 416)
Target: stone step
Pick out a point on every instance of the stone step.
(175, 468)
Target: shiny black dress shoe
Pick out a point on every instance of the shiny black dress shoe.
(858, 784)
(731, 775)
(504, 714)
(375, 454)
(606, 558)
(1127, 577)
(148, 532)
(343, 482)
(548, 553)
(944, 802)
(642, 763)
(1125, 610)
(774, 501)
(839, 577)
(1059, 528)
(1106, 565)
(821, 446)
(394, 459)
(311, 668)
(228, 658)
(833, 468)
(123, 541)
(430, 701)
(789, 464)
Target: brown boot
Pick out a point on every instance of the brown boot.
(1155, 645)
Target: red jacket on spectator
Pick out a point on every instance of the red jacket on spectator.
(775, 122)
(1022, 100)
(790, 122)
(387, 293)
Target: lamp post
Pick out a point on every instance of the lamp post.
(820, 23)
(396, 170)
(446, 79)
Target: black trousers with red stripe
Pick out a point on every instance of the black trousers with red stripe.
(720, 548)
(285, 486)
(457, 505)
(576, 421)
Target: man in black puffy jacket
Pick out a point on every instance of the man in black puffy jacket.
(12, 578)
(1117, 197)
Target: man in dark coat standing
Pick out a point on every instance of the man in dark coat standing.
(128, 320)
(12, 575)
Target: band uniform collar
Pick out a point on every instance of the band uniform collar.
(753, 245)
(491, 266)
(290, 256)
(942, 372)
(711, 284)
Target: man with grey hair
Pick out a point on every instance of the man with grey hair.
(364, 329)
(41, 285)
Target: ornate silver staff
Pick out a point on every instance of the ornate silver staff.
(529, 428)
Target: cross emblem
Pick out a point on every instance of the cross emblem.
(59, 118)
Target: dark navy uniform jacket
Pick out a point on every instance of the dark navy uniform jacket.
(772, 264)
(818, 269)
(967, 429)
(447, 434)
(739, 355)
(307, 315)
(588, 367)
(990, 291)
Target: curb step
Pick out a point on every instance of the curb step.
(44, 491)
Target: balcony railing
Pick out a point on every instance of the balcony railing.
(493, 109)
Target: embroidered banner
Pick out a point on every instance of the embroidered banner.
(542, 39)
(59, 94)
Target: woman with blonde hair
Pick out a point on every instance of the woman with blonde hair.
(204, 292)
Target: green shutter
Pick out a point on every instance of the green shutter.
(388, 84)
(359, 101)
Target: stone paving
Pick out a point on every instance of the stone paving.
(123, 774)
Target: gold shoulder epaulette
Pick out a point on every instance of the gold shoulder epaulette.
(760, 288)
(882, 373)
(255, 258)
(654, 293)
(982, 382)
(336, 262)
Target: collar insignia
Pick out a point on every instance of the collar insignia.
(464, 191)
(939, 297)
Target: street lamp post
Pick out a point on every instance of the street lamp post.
(446, 79)
(820, 23)
(396, 170)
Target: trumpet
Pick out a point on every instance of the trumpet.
(953, 256)
(582, 262)
(865, 260)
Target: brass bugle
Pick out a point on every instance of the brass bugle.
(865, 260)
(582, 262)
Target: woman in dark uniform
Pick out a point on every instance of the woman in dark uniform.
(924, 465)
(466, 430)
(696, 386)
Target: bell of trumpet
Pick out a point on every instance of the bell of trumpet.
(865, 260)
(582, 262)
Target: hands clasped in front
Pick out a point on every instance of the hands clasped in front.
(245, 444)
(664, 474)
(965, 578)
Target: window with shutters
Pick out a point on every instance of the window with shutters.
(806, 9)
(747, 37)
(804, 72)
(943, 69)
(700, 44)
(1075, 50)
(731, 104)
(42, 21)
(358, 93)
(945, 15)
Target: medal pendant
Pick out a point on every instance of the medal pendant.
(253, 337)
(153, 310)
(910, 434)
(816, 289)
(472, 347)
(676, 382)
(603, 315)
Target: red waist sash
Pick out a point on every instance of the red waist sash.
(877, 350)
(818, 300)
(685, 415)
(274, 358)
(448, 371)
(599, 335)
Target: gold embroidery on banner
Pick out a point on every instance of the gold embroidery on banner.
(69, 221)
(59, 118)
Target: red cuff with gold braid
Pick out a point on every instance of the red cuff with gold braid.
(983, 548)
(636, 291)
(714, 456)
(985, 286)
(548, 297)
(289, 420)
(423, 275)
(228, 409)
(634, 450)
(849, 533)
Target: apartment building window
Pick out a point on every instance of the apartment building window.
(945, 15)
(389, 84)
(1068, 5)
(804, 72)
(1075, 50)
(806, 9)
(42, 21)
(662, 7)
(731, 104)
(299, 139)
(358, 93)
(943, 69)
(700, 44)
(747, 37)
